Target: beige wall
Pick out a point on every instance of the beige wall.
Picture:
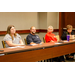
(52, 19)
(42, 20)
(24, 20)
(48, 18)
(21, 20)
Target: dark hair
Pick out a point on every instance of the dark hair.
(8, 31)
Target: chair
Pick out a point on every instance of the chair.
(3, 44)
(25, 41)
(44, 40)
(58, 38)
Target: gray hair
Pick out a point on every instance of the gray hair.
(50, 27)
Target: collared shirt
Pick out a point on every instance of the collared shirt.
(16, 40)
(50, 36)
(33, 38)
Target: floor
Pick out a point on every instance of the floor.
(56, 61)
(70, 60)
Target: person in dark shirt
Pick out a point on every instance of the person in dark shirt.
(32, 38)
(68, 32)
(64, 37)
(65, 33)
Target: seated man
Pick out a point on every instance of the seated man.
(32, 38)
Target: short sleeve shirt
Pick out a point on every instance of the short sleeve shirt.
(33, 38)
(16, 40)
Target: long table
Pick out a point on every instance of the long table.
(37, 53)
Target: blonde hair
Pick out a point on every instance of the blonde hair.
(50, 27)
(69, 27)
(8, 31)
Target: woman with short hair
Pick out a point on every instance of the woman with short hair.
(64, 37)
(68, 32)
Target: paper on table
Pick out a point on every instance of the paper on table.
(33, 44)
(58, 43)
(65, 41)
(17, 47)
(20, 46)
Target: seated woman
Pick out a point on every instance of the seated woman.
(12, 39)
(64, 37)
(50, 37)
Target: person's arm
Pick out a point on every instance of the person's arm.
(40, 40)
(21, 42)
(51, 41)
(30, 40)
(32, 43)
(12, 44)
(72, 35)
(47, 38)
(64, 36)
(35, 43)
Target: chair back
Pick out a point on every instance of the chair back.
(25, 41)
(58, 38)
(44, 40)
(3, 44)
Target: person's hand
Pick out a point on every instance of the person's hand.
(71, 36)
(52, 41)
(41, 43)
